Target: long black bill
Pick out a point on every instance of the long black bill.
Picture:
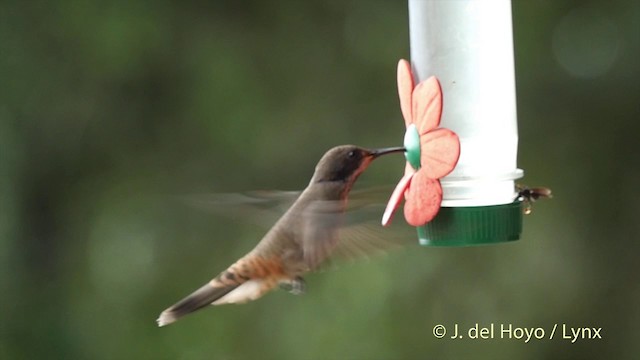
(380, 152)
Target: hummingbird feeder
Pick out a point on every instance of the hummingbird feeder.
(462, 137)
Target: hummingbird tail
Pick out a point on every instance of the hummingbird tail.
(200, 298)
(246, 280)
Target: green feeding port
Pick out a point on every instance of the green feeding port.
(412, 146)
(478, 225)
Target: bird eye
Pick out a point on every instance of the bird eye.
(351, 154)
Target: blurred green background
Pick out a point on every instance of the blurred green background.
(110, 111)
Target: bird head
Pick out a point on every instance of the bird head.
(344, 163)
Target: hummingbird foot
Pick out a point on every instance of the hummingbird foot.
(296, 286)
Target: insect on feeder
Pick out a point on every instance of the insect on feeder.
(461, 84)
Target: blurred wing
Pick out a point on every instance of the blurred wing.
(368, 238)
(261, 208)
(328, 233)
(365, 202)
(357, 232)
(265, 207)
(367, 242)
(321, 222)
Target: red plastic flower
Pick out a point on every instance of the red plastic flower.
(432, 152)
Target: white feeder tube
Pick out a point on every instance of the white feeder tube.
(468, 45)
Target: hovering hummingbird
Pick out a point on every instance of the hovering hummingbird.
(301, 240)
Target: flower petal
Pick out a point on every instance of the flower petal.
(405, 87)
(408, 168)
(427, 105)
(439, 152)
(423, 199)
(396, 197)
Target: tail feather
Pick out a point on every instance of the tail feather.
(200, 298)
(248, 279)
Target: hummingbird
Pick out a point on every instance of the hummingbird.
(299, 242)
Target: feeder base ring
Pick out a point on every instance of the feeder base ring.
(476, 225)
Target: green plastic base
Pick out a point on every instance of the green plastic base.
(465, 226)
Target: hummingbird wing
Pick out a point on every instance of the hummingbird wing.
(333, 233)
(264, 207)
(261, 207)
(328, 230)
(360, 239)
(362, 234)
(321, 221)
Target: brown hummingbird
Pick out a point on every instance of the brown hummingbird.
(302, 239)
